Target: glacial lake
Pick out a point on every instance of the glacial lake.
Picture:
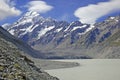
(89, 69)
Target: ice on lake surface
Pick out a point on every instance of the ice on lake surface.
(90, 69)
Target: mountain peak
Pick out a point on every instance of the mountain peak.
(31, 14)
(29, 17)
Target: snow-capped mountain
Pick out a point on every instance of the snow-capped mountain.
(60, 39)
(37, 31)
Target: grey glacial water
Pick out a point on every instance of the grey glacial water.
(89, 69)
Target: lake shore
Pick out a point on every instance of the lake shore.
(54, 64)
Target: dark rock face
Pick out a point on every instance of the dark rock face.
(91, 37)
(14, 65)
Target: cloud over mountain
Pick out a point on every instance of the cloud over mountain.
(39, 6)
(90, 13)
(7, 8)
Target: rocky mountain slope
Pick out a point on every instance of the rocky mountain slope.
(19, 43)
(14, 65)
(60, 39)
(103, 40)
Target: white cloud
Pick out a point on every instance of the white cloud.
(7, 9)
(90, 13)
(39, 6)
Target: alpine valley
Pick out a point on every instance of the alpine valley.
(64, 40)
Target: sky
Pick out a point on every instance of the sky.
(87, 11)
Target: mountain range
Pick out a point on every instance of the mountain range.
(61, 39)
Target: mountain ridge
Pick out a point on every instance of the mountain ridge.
(45, 30)
(60, 39)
